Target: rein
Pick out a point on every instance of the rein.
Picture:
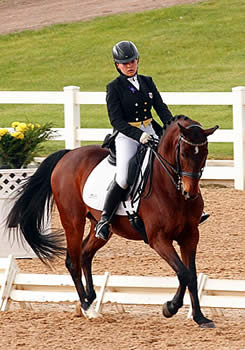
(165, 164)
(168, 167)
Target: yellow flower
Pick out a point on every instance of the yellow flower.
(21, 127)
(21, 143)
(3, 132)
(15, 124)
(18, 135)
(31, 126)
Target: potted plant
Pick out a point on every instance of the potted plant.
(18, 147)
(20, 144)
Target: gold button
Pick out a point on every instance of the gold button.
(145, 117)
(136, 119)
(145, 110)
(136, 104)
(137, 112)
(145, 103)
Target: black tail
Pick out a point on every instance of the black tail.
(27, 214)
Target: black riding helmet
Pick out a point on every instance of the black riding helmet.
(124, 52)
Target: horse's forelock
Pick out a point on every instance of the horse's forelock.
(195, 132)
(182, 119)
(178, 118)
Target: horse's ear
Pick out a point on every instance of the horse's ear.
(183, 130)
(210, 131)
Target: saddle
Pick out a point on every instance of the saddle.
(138, 174)
(109, 142)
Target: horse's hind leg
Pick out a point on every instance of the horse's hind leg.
(74, 236)
(89, 247)
(72, 215)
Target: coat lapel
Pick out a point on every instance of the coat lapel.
(143, 91)
(127, 85)
(143, 86)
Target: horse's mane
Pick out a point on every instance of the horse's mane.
(175, 119)
(178, 119)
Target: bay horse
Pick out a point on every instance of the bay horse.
(171, 211)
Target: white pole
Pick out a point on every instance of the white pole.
(239, 139)
(72, 116)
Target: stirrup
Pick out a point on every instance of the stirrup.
(204, 217)
(102, 230)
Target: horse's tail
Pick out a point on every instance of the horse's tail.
(33, 201)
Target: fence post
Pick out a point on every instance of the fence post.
(72, 116)
(239, 132)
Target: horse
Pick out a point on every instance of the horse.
(171, 211)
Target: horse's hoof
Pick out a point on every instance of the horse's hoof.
(165, 310)
(207, 325)
(90, 313)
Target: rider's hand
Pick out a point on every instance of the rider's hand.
(144, 138)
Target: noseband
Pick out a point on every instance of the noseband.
(178, 171)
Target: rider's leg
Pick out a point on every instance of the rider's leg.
(125, 150)
(112, 201)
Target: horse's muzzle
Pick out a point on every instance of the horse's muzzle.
(188, 196)
(190, 189)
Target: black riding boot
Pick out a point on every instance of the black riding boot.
(112, 201)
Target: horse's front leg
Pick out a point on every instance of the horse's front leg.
(188, 253)
(166, 250)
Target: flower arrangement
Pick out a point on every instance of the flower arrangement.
(20, 144)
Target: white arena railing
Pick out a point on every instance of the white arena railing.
(72, 133)
(26, 288)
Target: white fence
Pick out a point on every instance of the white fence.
(72, 133)
(135, 290)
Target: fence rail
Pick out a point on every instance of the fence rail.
(72, 133)
(134, 290)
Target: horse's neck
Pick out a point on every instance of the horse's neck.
(167, 147)
(163, 178)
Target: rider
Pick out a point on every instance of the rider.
(129, 98)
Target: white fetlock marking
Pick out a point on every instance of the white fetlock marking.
(90, 313)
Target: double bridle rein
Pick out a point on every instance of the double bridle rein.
(178, 171)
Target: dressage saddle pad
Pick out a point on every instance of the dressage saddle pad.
(98, 183)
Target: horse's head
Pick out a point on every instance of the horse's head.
(187, 141)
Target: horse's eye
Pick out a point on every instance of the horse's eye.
(184, 154)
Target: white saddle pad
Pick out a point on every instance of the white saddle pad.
(97, 184)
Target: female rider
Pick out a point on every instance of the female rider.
(129, 98)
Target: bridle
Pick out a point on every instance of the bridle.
(193, 175)
(168, 167)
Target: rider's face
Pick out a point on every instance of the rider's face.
(129, 69)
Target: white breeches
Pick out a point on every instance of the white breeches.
(125, 149)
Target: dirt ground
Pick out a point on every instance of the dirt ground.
(220, 255)
(220, 250)
(18, 15)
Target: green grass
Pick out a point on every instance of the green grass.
(185, 48)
